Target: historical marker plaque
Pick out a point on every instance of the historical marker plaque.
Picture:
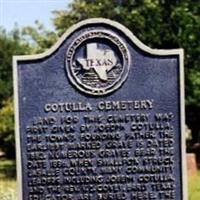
(100, 117)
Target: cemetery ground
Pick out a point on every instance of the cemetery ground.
(8, 183)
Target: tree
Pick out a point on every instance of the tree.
(158, 23)
(7, 140)
(38, 37)
(10, 44)
(29, 40)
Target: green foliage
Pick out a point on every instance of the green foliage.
(10, 44)
(194, 89)
(7, 169)
(18, 42)
(39, 38)
(158, 23)
(7, 140)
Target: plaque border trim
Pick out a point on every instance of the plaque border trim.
(140, 45)
(17, 132)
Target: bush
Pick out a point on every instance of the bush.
(7, 139)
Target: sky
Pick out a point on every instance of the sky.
(25, 12)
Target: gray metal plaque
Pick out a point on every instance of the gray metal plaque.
(100, 117)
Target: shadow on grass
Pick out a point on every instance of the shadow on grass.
(7, 168)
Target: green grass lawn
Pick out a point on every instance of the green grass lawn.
(7, 169)
(8, 185)
(194, 187)
(8, 189)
